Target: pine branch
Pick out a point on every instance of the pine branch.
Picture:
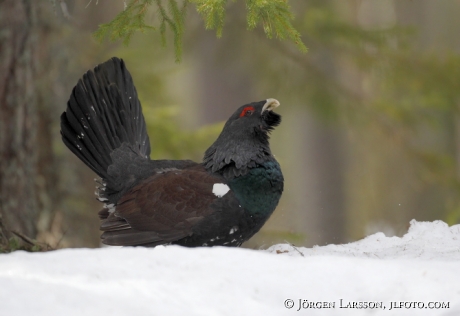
(213, 12)
(126, 23)
(176, 23)
(274, 15)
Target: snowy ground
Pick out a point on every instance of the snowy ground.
(422, 269)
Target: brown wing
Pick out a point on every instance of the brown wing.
(161, 209)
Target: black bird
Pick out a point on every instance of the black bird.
(223, 200)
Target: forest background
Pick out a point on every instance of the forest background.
(370, 137)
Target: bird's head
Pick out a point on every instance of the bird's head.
(254, 119)
(243, 142)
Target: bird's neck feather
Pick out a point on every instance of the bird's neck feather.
(233, 159)
(260, 189)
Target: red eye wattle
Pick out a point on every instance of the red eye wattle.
(247, 111)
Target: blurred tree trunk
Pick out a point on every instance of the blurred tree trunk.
(223, 85)
(18, 117)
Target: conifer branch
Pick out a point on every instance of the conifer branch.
(126, 22)
(274, 15)
(176, 23)
(213, 12)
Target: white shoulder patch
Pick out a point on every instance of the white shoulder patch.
(220, 189)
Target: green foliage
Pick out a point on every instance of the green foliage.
(175, 22)
(213, 12)
(126, 23)
(132, 20)
(274, 15)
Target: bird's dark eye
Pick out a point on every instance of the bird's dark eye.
(247, 111)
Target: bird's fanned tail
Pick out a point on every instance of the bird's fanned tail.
(103, 113)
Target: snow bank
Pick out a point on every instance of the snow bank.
(424, 240)
(421, 269)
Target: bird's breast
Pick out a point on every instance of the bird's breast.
(259, 191)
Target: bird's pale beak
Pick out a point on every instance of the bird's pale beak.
(270, 105)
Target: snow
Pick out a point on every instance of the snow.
(422, 266)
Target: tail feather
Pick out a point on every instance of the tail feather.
(80, 125)
(80, 147)
(103, 113)
(131, 114)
